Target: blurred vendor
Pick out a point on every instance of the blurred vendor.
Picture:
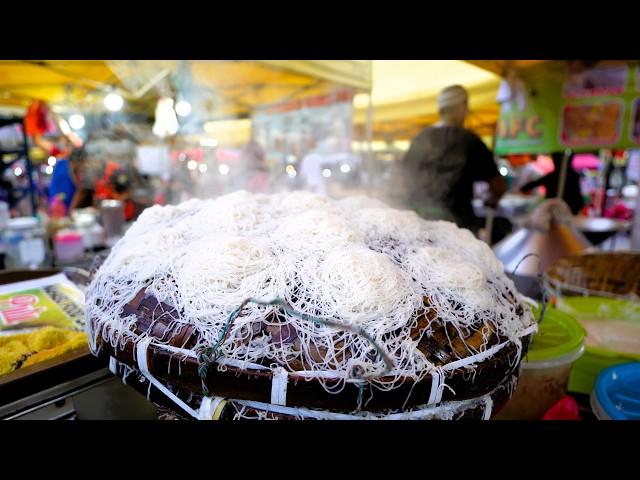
(253, 159)
(445, 160)
(115, 184)
(550, 182)
(67, 179)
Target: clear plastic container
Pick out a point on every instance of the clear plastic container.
(86, 222)
(545, 371)
(541, 385)
(68, 246)
(25, 244)
(112, 214)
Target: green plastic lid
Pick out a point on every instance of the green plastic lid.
(600, 308)
(558, 335)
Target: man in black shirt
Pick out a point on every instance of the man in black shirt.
(445, 160)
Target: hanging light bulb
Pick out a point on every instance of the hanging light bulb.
(113, 102)
(166, 123)
(76, 121)
(183, 108)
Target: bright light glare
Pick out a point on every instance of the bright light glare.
(202, 168)
(49, 169)
(113, 102)
(208, 142)
(183, 108)
(76, 121)
(291, 171)
(326, 173)
(17, 171)
(503, 171)
(192, 164)
(344, 168)
(52, 161)
(223, 169)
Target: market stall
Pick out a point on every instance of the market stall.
(109, 106)
(232, 299)
(404, 97)
(588, 108)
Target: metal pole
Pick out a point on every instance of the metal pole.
(369, 138)
(563, 173)
(29, 166)
(491, 213)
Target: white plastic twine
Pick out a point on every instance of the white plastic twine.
(437, 386)
(113, 365)
(141, 356)
(443, 411)
(279, 381)
(488, 407)
(208, 407)
(433, 409)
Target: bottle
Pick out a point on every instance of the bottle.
(58, 209)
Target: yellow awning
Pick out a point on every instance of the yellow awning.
(352, 73)
(57, 82)
(238, 86)
(500, 67)
(405, 92)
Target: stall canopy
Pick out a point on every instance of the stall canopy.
(405, 92)
(231, 88)
(501, 67)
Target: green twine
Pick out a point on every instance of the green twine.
(211, 354)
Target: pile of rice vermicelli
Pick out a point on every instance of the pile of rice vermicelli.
(388, 283)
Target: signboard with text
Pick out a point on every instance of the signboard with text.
(582, 105)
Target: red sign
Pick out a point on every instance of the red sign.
(312, 102)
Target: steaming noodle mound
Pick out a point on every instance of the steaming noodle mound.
(428, 294)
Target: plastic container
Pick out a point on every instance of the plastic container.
(543, 381)
(616, 395)
(4, 215)
(613, 336)
(68, 246)
(25, 245)
(112, 214)
(4, 220)
(86, 222)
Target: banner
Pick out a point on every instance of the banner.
(290, 130)
(581, 105)
(51, 300)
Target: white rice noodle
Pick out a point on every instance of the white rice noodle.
(353, 261)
